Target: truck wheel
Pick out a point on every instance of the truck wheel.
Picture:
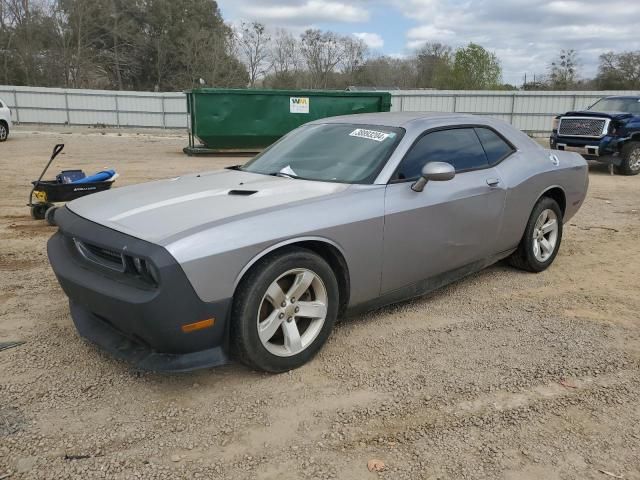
(284, 310)
(630, 159)
(541, 241)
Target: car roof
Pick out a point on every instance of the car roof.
(625, 97)
(397, 119)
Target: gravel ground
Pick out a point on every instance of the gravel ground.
(503, 375)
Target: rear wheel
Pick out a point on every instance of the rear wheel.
(541, 241)
(284, 310)
(630, 155)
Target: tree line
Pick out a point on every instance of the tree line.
(168, 45)
(117, 44)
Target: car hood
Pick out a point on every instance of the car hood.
(592, 113)
(158, 210)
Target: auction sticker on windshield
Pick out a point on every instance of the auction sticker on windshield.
(371, 134)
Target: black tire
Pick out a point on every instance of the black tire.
(4, 131)
(248, 299)
(49, 215)
(630, 164)
(38, 210)
(524, 257)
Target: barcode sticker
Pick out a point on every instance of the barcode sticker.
(370, 134)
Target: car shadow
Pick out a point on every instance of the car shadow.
(598, 168)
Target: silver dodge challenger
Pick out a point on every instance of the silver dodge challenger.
(340, 216)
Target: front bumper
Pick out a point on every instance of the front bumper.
(604, 150)
(125, 316)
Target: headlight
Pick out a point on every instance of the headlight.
(555, 124)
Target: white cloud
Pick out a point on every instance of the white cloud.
(373, 40)
(526, 35)
(307, 12)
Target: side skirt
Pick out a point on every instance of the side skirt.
(425, 286)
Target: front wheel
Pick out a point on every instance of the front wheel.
(4, 131)
(541, 241)
(39, 210)
(284, 310)
(630, 155)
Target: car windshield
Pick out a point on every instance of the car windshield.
(330, 152)
(627, 105)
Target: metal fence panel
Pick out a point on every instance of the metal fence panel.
(528, 111)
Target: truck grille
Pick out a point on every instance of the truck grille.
(583, 127)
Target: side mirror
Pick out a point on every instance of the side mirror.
(436, 172)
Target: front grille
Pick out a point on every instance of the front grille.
(583, 127)
(102, 256)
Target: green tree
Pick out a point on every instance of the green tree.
(474, 68)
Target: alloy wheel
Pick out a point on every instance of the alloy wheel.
(292, 312)
(545, 235)
(3, 132)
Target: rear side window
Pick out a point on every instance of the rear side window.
(460, 147)
(1, 105)
(494, 146)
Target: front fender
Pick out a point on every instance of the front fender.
(284, 243)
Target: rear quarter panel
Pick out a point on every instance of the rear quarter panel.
(528, 175)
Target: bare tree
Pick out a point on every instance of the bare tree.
(389, 72)
(284, 53)
(354, 53)
(253, 42)
(619, 71)
(19, 16)
(434, 64)
(322, 53)
(564, 70)
(6, 38)
(285, 62)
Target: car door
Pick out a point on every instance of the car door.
(450, 224)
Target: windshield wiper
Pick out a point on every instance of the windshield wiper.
(284, 175)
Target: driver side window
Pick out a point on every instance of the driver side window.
(458, 146)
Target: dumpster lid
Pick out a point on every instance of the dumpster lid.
(291, 93)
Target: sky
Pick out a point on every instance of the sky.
(525, 34)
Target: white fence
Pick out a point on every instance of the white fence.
(531, 112)
(95, 107)
(528, 111)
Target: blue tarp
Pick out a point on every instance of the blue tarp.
(97, 177)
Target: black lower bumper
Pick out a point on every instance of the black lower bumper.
(134, 321)
(605, 150)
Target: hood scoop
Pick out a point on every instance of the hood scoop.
(242, 193)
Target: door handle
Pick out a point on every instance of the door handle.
(492, 182)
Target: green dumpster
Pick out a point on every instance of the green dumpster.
(241, 120)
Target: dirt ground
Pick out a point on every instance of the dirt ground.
(504, 375)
